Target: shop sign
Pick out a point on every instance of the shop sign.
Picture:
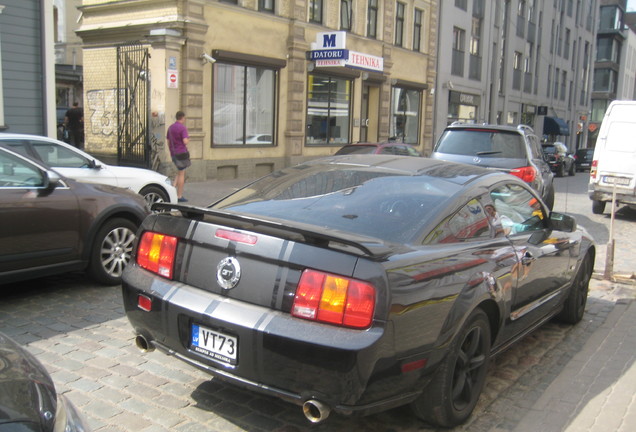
(329, 54)
(329, 49)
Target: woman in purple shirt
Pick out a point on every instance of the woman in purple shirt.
(178, 140)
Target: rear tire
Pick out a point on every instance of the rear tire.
(457, 384)
(598, 207)
(560, 171)
(111, 251)
(574, 306)
(572, 171)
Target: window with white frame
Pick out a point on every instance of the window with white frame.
(244, 105)
(346, 11)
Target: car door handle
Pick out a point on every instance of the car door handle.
(527, 259)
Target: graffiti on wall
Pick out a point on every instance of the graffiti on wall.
(102, 108)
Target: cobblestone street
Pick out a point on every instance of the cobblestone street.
(81, 335)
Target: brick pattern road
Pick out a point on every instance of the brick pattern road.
(80, 333)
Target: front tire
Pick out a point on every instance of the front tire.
(154, 194)
(598, 207)
(572, 171)
(549, 198)
(456, 386)
(560, 171)
(574, 306)
(111, 251)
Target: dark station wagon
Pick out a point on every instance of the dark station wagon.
(358, 283)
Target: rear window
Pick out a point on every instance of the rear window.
(482, 143)
(356, 149)
(371, 203)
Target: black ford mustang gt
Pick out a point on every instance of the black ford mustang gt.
(358, 283)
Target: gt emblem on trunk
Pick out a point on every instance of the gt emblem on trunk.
(228, 273)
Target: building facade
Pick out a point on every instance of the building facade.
(264, 83)
(27, 67)
(517, 62)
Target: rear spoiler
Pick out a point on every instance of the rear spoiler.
(286, 229)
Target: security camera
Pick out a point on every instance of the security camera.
(207, 58)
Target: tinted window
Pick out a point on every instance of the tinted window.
(516, 210)
(371, 203)
(483, 143)
(469, 223)
(58, 156)
(16, 173)
(356, 149)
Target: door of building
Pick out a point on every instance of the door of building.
(369, 113)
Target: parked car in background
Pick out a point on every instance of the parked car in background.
(74, 163)
(29, 401)
(51, 224)
(514, 150)
(391, 148)
(583, 159)
(559, 159)
(358, 283)
(613, 171)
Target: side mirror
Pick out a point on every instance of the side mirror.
(92, 164)
(51, 180)
(562, 222)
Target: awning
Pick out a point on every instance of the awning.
(555, 126)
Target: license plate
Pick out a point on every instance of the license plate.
(621, 181)
(216, 345)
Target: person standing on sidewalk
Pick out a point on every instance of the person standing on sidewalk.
(74, 123)
(178, 140)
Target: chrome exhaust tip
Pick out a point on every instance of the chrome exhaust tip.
(143, 344)
(315, 411)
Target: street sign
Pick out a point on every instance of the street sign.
(173, 79)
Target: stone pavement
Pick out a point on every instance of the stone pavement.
(596, 391)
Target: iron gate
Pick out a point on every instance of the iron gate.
(133, 106)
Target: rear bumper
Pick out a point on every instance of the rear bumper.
(599, 193)
(351, 371)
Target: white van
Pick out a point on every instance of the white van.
(614, 163)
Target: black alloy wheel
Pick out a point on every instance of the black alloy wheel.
(452, 395)
(574, 306)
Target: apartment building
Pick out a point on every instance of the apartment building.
(263, 83)
(517, 62)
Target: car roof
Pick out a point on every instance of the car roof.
(521, 129)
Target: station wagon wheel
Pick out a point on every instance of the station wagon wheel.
(456, 386)
(154, 194)
(111, 251)
(574, 306)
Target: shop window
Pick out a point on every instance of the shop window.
(328, 110)
(405, 115)
(244, 105)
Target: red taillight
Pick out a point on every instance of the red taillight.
(527, 174)
(594, 169)
(334, 299)
(156, 253)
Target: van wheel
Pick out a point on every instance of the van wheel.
(598, 207)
